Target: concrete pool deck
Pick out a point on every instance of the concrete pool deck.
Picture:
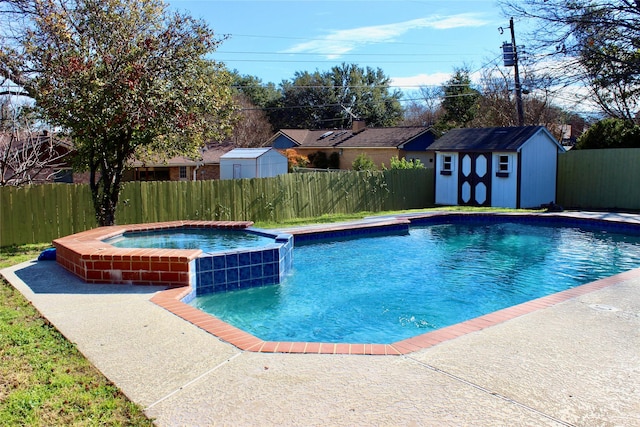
(573, 363)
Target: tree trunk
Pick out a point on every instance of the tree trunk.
(105, 188)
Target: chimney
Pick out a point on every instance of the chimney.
(358, 125)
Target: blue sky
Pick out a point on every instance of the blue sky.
(413, 42)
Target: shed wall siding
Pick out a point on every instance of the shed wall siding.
(504, 189)
(248, 168)
(539, 167)
(268, 164)
(271, 164)
(446, 185)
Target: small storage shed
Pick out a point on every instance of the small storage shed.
(511, 167)
(252, 163)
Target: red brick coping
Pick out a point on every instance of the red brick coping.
(86, 255)
(171, 300)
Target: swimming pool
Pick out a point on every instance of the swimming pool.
(208, 240)
(385, 289)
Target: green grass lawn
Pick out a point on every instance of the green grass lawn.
(329, 218)
(44, 379)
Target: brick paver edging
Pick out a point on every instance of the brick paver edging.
(171, 300)
(87, 256)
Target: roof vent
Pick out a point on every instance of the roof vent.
(326, 134)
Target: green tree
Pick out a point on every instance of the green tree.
(596, 43)
(363, 163)
(305, 102)
(459, 101)
(122, 78)
(610, 133)
(252, 87)
(366, 94)
(331, 99)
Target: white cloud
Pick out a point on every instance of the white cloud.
(340, 42)
(433, 79)
(414, 82)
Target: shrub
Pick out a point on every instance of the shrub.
(403, 163)
(363, 163)
(295, 159)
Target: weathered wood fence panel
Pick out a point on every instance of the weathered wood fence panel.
(42, 213)
(599, 179)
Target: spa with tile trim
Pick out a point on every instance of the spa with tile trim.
(89, 255)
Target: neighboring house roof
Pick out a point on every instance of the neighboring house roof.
(29, 142)
(247, 153)
(488, 139)
(209, 155)
(392, 137)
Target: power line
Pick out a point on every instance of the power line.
(457, 54)
(353, 86)
(324, 61)
(230, 35)
(341, 105)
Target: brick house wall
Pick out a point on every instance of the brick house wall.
(208, 172)
(379, 156)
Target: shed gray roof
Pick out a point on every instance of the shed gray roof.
(485, 139)
(245, 153)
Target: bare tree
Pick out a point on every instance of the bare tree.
(591, 43)
(252, 128)
(423, 109)
(497, 106)
(29, 158)
(28, 155)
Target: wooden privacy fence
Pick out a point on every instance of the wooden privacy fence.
(41, 213)
(587, 179)
(45, 212)
(599, 179)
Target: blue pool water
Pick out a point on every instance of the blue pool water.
(207, 239)
(385, 289)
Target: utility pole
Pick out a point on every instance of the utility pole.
(510, 54)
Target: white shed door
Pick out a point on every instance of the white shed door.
(237, 171)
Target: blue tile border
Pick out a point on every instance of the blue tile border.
(539, 219)
(247, 268)
(351, 233)
(236, 269)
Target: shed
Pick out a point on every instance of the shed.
(252, 163)
(511, 167)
